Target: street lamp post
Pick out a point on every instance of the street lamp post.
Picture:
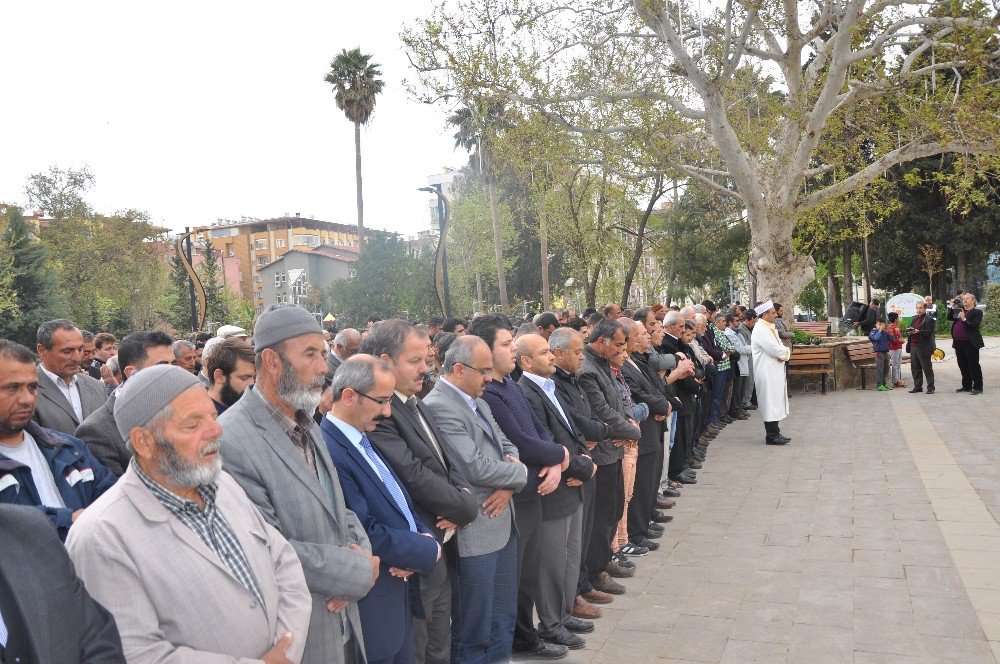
(441, 257)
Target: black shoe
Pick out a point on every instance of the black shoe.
(651, 534)
(686, 479)
(695, 464)
(647, 544)
(662, 518)
(975, 391)
(578, 626)
(634, 550)
(916, 389)
(541, 650)
(930, 390)
(700, 458)
(566, 639)
(784, 439)
(670, 493)
(700, 449)
(654, 527)
(619, 570)
(775, 441)
(964, 389)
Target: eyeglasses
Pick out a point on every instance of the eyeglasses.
(380, 402)
(486, 372)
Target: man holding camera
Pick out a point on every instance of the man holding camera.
(920, 344)
(966, 339)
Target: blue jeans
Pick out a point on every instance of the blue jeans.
(718, 389)
(484, 606)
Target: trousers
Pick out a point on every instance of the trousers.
(968, 363)
(920, 364)
(628, 481)
(608, 505)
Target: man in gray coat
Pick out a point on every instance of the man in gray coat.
(65, 396)
(482, 623)
(607, 339)
(273, 448)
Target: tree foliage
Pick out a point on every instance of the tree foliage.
(31, 279)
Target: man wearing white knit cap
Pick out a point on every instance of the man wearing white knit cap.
(769, 357)
(176, 551)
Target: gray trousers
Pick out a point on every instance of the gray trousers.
(432, 635)
(896, 360)
(558, 570)
(747, 390)
(881, 368)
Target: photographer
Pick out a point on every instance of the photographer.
(920, 344)
(967, 340)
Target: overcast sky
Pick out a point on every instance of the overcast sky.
(199, 110)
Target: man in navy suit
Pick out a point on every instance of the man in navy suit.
(362, 389)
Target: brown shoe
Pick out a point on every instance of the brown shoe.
(595, 596)
(608, 585)
(665, 503)
(585, 610)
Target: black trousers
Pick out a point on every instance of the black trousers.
(920, 364)
(609, 503)
(682, 444)
(528, 515)
(772, 429)
(736, 394)
(589, 491)
(968, 363)
(647, 481)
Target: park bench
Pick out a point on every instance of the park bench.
(819, 328)
(811, 361)
(862, 356)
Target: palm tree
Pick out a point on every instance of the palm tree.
(356, 84)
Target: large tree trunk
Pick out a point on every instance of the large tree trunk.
(592, 286)
(780, 273)
(834, 307)
(357, 176)
(867, 271)
(962, 270)
(848, 275)
(498, 246)
(543, 241)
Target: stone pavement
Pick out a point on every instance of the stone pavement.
(872, 537)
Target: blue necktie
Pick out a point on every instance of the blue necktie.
(389, 481)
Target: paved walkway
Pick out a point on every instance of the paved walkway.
(872, 537)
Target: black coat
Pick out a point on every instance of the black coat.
(973, 321)
(436, 489)
(926, 335)
(49, 615)
(687, 388)
(649, 393)
(569, 389)
(565, 499)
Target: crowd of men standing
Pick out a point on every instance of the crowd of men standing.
(461, 491)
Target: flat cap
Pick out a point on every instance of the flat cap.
(281, 322)
(227, 331)
(148, 392)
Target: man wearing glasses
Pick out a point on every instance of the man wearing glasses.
(362, 390)
(484, 600)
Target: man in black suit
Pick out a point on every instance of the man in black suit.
(688, 391)
(46, 615)
(410, 442)
(566, 345)
(556, 577)
(966, 339)
(920, 344)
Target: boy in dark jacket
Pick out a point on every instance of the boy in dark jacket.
(880, 344)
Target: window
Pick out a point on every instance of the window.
(305, 240)
(261, 261)
(260, 243)
(281, 243)
(258, 294)
(353, 273)
(232, 250)
(257, 279)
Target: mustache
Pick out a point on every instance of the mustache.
(212, 448)
(380, 418)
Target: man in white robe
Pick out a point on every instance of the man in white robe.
(769, 357)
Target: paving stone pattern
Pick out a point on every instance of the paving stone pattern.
(871, 538)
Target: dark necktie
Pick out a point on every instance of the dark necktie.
(301, 439)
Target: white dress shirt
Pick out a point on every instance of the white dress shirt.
(549, 388)
(70, 390)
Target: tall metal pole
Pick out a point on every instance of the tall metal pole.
(194, 300)
(443, 227)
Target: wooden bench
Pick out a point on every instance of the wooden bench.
(811, 361)
(862, 356)
(819, 328)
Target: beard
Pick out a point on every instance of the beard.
(301, 397)
(7, 427)
(228, 395)
(183, 473)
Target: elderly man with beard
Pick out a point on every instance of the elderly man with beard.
(176, 551)
(274, 449)
(231, 371)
